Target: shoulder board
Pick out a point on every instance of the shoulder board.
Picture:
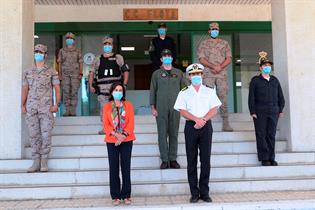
(185, 88)
(209, 86)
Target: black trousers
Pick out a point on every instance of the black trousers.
(265, 130)
(198, 139)
(119, 154)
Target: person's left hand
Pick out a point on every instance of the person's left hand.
(281, 114)
(217, 68)
(120, 138)
(54, 109)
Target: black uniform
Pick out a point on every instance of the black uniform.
(266, 100)
(157, 45)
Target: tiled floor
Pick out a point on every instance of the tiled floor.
(154, 201)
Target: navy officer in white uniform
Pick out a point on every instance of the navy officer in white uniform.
(198, 104)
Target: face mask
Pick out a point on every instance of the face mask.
(108, 48)
(162, 31)
(38, 57)
(117, 95)
(69, 41)
(214, 33)
(196, 80)
(167, 60)
(266, 69)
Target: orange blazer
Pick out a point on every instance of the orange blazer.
(109, 126)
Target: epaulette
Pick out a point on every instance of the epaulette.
(185, 88)
(209, 87)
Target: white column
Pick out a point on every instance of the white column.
(16, 53)
(293, 33)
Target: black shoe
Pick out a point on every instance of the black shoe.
(164, 165)
(273, 163)
(265, 163)
(193, 199)
(206, 199)
(174, 164)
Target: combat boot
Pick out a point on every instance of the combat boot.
(44, 165)
(35, 167)
(72, 112)
(226, 125)
(67, 113)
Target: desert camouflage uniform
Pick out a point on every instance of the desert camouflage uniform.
(70, 60)
(39, 119)
(216, 53)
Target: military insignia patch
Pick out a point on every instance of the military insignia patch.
(163, 74)
(174, 75)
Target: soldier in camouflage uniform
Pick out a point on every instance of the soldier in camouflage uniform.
(107, 68)
(37, 104)
(70, 73)
(215, 54)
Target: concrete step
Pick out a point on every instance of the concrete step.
(153, 150)
(143, 119)
(148, 138)
(217, 160)
(155, 175)
(141, 128)
(144, 138)
(178, 187)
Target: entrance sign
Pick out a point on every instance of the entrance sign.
(151, 14)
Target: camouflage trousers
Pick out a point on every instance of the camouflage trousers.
(103, 97)
(70, 86)
(222, 89)
(40, 125)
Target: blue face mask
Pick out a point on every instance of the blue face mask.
(214, 33)
(167, 60)
(108, 48)
(266, 69)
(117, 95)
(196, 80)
(69, 41)
(162, 31)
(39, 57)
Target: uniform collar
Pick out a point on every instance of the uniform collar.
(69, 50)
(162, 68)
(191, 87)
(41, 68)
(270, 78)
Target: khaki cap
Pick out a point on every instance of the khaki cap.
(70, 35)
(41, 47)
(214, 25)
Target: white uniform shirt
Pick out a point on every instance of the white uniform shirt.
(197, 103)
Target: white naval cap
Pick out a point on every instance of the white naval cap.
(195, 68)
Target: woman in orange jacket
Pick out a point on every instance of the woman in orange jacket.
(118, 124)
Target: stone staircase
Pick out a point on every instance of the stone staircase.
(79, 166)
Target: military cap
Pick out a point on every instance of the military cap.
(263, 59)
(214, 25)
(162, 25)
(166, 52)
(41, 48)
(70, 35)
(108, 38)
(195, 68)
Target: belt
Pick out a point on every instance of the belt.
(108, 81)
